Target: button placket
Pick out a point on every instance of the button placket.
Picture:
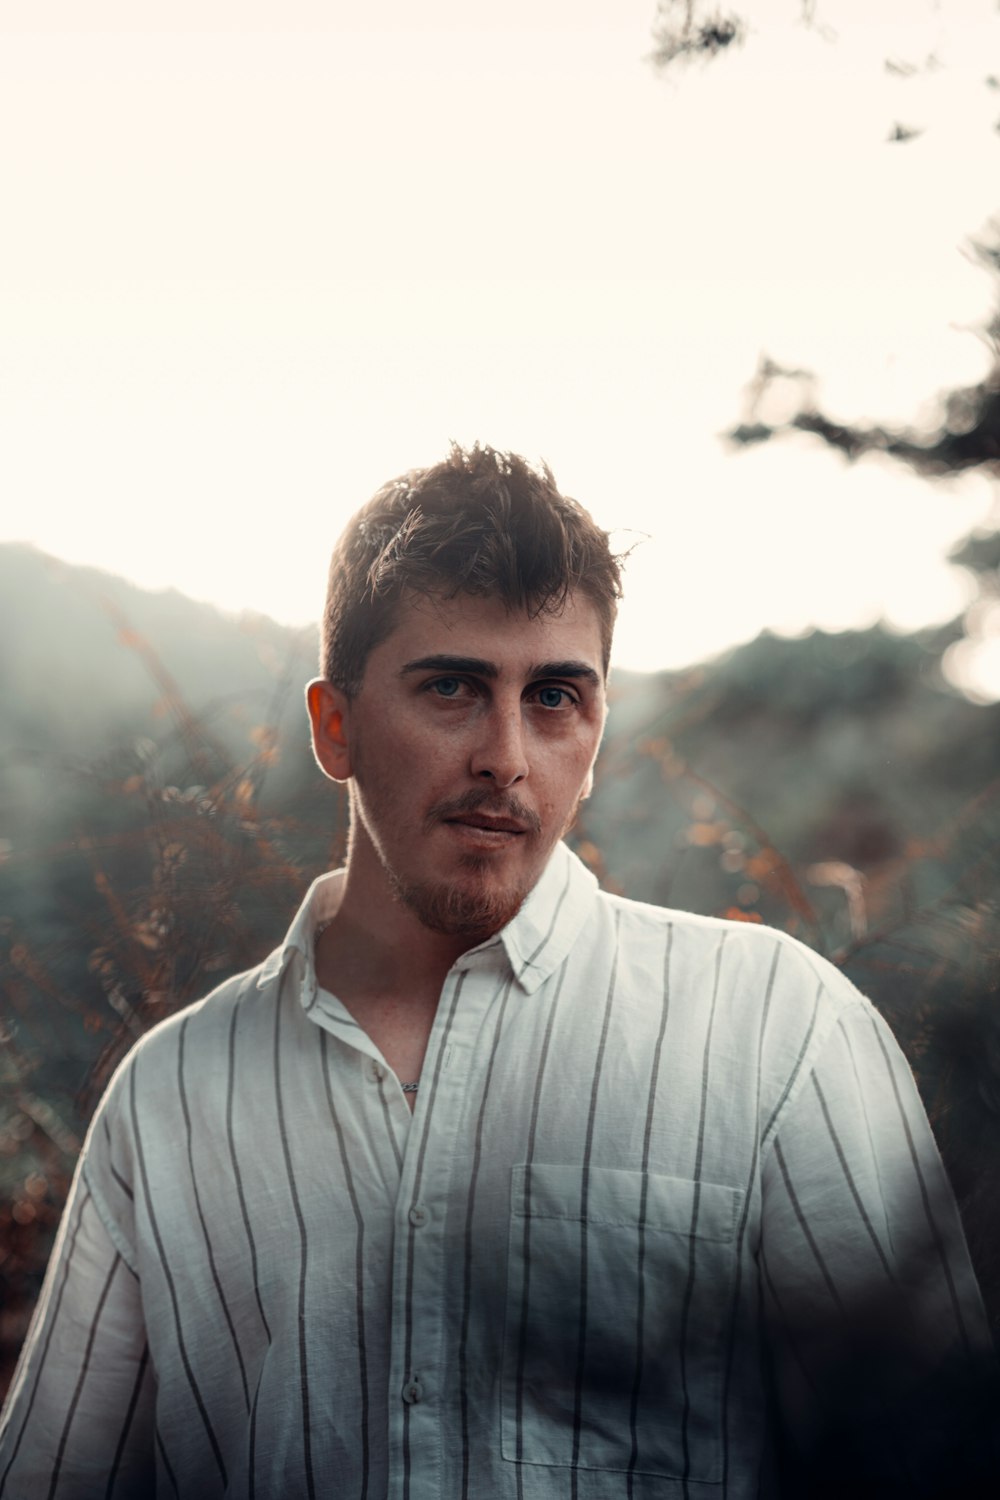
(420, 1269)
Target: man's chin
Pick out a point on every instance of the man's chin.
(467, 909)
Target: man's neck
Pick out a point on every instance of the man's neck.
(375, 947)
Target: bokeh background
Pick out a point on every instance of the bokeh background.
(732, 272)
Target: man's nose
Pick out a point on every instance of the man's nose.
(500, 755)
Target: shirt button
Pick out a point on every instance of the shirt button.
(413, 1391)
(377, 1072)
(418, 1215)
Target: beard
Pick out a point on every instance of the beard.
(466, 907)
(457, 910)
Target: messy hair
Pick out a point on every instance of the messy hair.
(481, 522)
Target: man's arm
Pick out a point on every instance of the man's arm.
(79, 1416)
(880, 1352)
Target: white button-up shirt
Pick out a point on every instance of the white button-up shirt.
(665, 1180)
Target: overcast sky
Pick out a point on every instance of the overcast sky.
(259, 257)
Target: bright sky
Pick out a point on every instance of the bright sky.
(261, 255)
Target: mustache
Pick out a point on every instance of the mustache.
(476, 800)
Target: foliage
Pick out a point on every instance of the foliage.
(684, 31)
(967, 434)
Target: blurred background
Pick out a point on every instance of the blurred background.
(732, 272)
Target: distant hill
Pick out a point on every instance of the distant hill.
(73, 662)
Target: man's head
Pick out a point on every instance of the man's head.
(482, 523)
(465, 652)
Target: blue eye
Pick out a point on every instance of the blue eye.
(553, 697)
(446, 687)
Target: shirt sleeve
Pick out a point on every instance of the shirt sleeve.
(78, 1422)
(881, 1357)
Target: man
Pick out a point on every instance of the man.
(486, 1183)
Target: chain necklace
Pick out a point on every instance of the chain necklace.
(409, 1088)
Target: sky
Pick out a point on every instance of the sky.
(260, 257)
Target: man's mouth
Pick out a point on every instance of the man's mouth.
(508, 817)
(488, 824)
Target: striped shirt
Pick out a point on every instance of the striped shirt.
(666, 1179)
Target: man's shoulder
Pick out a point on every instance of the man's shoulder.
(764, 1002)
(205, 1027)
(751, 956)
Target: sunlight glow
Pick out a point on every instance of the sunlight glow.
(257, 268)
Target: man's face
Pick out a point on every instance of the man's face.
(469, 745)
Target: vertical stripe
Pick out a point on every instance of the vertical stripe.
(359, 1269)
(248, 1230)
(237, 1174)
(166, 1463)
(303, 1254)
(252, 1446)
(924, 1194)
(640, 1315)
(81, 1378)
(863, 1093)
(477, 1154)
(803, 1224)
(891, 1418)
(127, 1424)
(417, 1178)
(530, 962)
(584, 1195)
(171, 1288)
(766, 1453)
(849, 1179)
(793, 1075)
(53, 1319)
(744, 1216)
(125, 1187)
(786, 1323)
(522, 1335)
(182, 1091)
(388, 1124)
(693, 1241)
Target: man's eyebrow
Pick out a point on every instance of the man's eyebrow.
(473, 665)
(578, 669)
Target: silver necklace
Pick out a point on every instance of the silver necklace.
(409, 1088)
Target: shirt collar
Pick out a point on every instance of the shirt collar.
(535, 942)
(541, 935)
(318, 906)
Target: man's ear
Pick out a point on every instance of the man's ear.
(328, 709)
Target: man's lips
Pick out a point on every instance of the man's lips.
(479, 820)
(491, 815)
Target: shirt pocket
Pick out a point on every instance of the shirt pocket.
(619, 1298)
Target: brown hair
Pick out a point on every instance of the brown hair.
(481, 522)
